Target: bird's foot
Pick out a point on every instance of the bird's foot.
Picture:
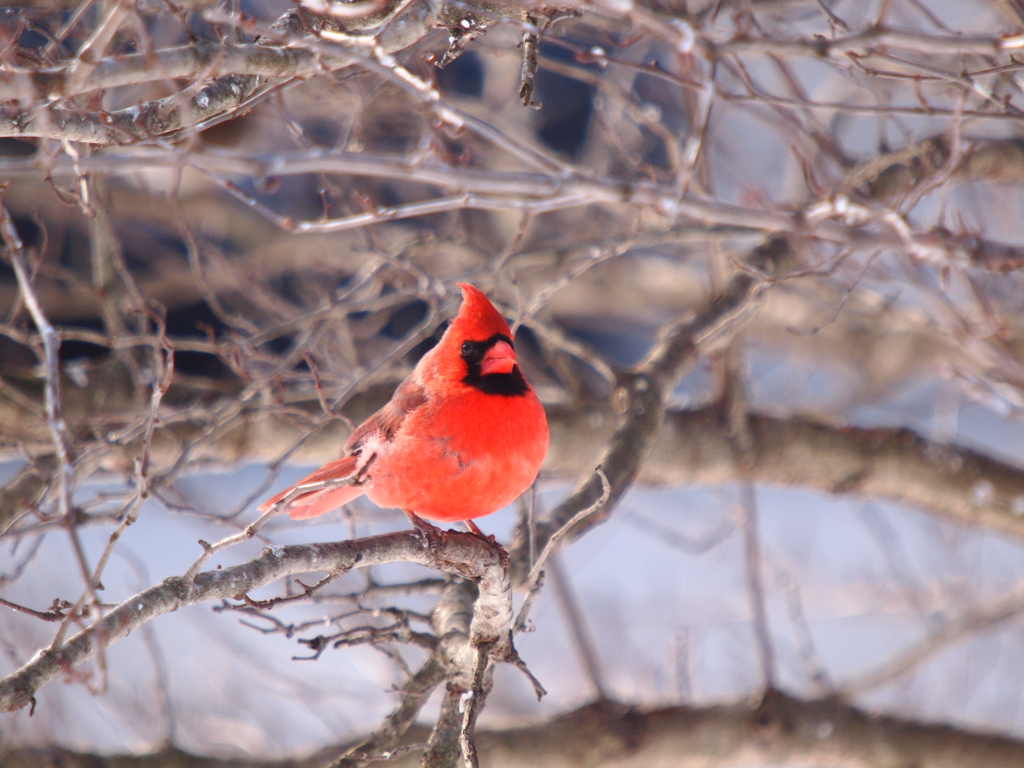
(500, 550)
(432, 536)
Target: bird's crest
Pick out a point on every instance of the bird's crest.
(477, 319)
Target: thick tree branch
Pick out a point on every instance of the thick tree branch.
(777, 730)
(461, 554)
(691, 448)
(954, 482)
(132, 124)
(202, 57)
(640, 402)
(452, 624)
(694, 447)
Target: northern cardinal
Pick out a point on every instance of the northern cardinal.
(462, 436)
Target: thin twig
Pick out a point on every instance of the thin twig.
(54, 419)
(576, 620)
(582, 514)
(56, 613)
(755, 585)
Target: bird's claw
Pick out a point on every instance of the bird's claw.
(489, 538)
(432, 536)
(502, 552)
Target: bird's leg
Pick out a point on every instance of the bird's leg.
(432, 535)
(502, 553)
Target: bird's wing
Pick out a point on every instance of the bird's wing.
(386, 422)
(332, 470)
(383, 425)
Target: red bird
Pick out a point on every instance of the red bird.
(462, 436)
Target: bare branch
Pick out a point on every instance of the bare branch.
(640, 399)
(461, 554)
(56, 613)
(576, 621)
(452, 624)
(778, 730)
(970, 622)
(132, 124)
(414, 695)
(187, 62)
(896, 464)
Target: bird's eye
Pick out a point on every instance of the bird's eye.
(467, 348)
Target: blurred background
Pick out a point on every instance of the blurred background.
(246, 220)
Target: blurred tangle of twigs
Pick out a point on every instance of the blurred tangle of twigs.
(724, 229)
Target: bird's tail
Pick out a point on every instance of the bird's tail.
(318, 502)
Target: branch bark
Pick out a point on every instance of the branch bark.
(690, 448)
(461, 554)
(779, 730)
(640, 401)
(186, 61)
(132, 124)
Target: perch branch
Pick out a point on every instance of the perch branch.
(460, 554)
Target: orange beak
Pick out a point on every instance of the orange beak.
(500, 358)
